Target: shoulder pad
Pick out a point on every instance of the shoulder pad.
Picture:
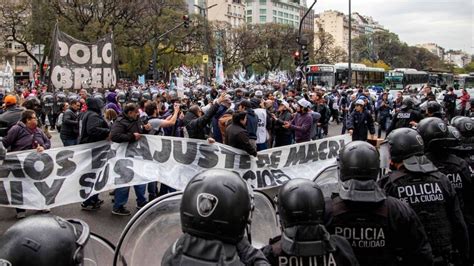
(274, 240)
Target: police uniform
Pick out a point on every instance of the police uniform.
(378, 232)
(328, 250)
(377, 226)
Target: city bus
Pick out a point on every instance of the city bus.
(332, 75)
(401, 78)
(441, 80)
(464, 81)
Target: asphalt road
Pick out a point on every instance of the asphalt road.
(102, 221)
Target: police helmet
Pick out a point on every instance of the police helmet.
(453, 133)
(48, 99)
(216, 204)
(135, 96)
(405, 143)
(359, 164)
(465, 125)
(407, 103)
(146, 95)
(61, 98)
(73, 96)
(99, 96)
(300, 202)
(358, 160)
(121, 97)
(433, 107)
(44, 240)
(434, 132)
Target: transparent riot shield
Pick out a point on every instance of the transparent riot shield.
(328, 180)
(264, 220)
(98, 251)
(157, 226)
(150, 232)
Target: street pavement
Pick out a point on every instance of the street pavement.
(102, 221)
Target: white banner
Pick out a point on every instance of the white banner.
(61, 176)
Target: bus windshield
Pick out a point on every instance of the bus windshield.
(321, 78)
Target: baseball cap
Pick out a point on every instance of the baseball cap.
(285, 103)
(9, 100)
(259, 93)
(304, 103)
(360, 102)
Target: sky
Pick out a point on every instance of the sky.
(448, 23)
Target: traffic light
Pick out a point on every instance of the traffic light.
(305, 55)
(150, 66)
(186, 21)
(297, 58)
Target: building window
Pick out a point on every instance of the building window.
(291, 16)
(263, 19)
(285, 15)
(21, 61)
(229, 9)
(263, 2)
(274, 19)
(263, 11)
(249, 19)
(249, 12)
(274, 12)
(280, 20)
(18, 47)
(280, 13)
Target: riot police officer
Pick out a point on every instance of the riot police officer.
(304, 238)
(381, 229)
(213, 235)
(406, 117)
(44, 240)
(465, 150)
(47, 104)
(416, 181)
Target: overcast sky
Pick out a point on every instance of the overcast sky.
(449, 23)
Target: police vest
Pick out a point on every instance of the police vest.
(403, 119)
(366, 230)
(427, 197)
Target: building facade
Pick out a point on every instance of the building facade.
(434, 49)
(308, 22)
(458, 58)
(230, 11)
(274, 11)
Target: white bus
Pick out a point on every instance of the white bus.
(332, 75)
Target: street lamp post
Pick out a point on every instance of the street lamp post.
(349, 78)
(203, 12)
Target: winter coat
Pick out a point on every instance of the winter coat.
(196, 125)
(21, 138)
(93, 125)
(237, 136)
(124, 127)
(361, 123)
(70, 125)
(9, 118)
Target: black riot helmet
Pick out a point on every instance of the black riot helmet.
(121, 97)
(359, 166)
(146, 95)
(135, 96)
(405, 143)
(44, 240)
(216, 204)
(358, 160)
(99, 96)
(300, 202)
(434, 132)
(407, 103)
(465, 125)
(453, 133)
(61, 98)
(47, 99)
(433, 108)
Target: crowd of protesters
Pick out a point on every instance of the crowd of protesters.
(248, 117)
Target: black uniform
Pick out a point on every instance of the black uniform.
(381, 233)
(433, 198)
(321, 248)
(403, 119)
(192, 250)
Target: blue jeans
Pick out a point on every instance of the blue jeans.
(261, 146)
(152, 190)
(164, 189)
(121, 195)
(69, 142)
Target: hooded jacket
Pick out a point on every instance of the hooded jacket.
(21, 138)
(93, 126)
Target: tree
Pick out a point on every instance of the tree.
(379, 64)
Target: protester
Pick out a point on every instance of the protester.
(360, 122)
(11, 115)
(26, 135)
(237, 135)
(63, 107)
(283, 136)
(70, 125)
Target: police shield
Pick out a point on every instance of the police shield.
(328, 180)
(264, 220)
(98, 251)
(157, 226)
